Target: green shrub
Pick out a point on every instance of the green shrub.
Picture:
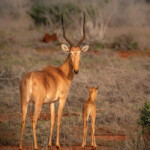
(133, 45)
(145, 117)
(124, 42)
(46, 13)
(37, 13)
(99, 45)
(91, 11)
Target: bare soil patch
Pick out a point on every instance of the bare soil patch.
(112, 137)
(126, 54)
(54, 148)
(15, 147)
(102, 134)
(43, 116)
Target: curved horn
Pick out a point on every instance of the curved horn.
(80, 42)
(70, 43)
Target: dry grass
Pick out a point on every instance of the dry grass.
(124, 87)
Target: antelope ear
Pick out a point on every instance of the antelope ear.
(85, 48)
(65, 48)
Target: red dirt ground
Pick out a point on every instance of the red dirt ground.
(113, 137)
(104, 134)
(43, 116)
(108, 137)
(126, 54)
(54, 148)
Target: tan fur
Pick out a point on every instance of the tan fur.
(47, 86)
(89, 109)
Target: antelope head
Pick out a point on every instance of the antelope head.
(74, 51)
(92, 91)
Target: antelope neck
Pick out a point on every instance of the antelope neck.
(67, 69)
(91, 99)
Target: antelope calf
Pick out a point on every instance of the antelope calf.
(89, 109)
(49, 85)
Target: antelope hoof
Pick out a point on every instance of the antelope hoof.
(20, 147)
(58, 147)
(83, 146)
(50, 147)
(35, 148)
(94, 147)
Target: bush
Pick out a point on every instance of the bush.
(145, 117)
(124, 42)
(47, 13)
(99, 45)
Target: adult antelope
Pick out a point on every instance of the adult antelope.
(49, 85)
(89, 109)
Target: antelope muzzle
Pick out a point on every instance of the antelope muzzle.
(76, 71)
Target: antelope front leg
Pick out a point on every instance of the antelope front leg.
(37, 111)
(60, 109)
(52, 110)
(24, 112)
